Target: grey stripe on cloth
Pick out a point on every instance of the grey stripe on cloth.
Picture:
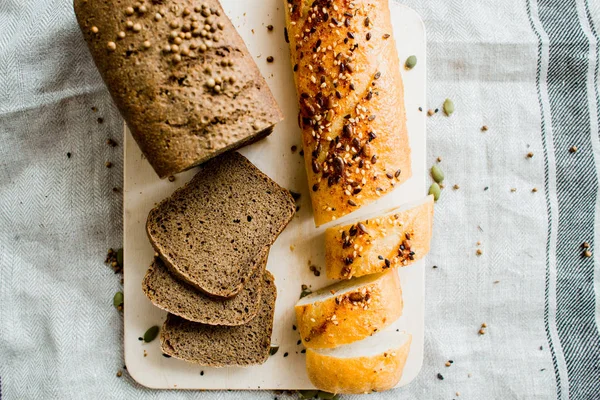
(576, 193)
(547, 190)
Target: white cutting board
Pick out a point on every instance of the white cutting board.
(143, 189)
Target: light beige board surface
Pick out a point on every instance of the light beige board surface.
(300, 245)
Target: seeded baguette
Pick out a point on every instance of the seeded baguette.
(211, 232)
(221, 346)
(395, 239)
(187, 94)
(374, 364)
(171, 294)
(349, 311)
(351, 101)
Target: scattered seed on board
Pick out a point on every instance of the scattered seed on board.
(430, 112)
(587, 253)
(273, 350)
(484, 128)
(439, 159)
(119, 373)
(448, 363)
(530, 155)
(270, 59)
(448, 107)
(482, 331)
(171, 178)
(573, 149)
(534, 190)
(455, 187)
(585, 245)
(270, 27)
(151, 334)
(440, 377)
(512, 190)
(411, 62)
(437, 174)
(435, 190)
(108, 164)
(479, 252)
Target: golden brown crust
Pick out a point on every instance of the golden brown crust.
(351, 316)
(158, 58)
(375, 245)
(357, 375)
(351, 100)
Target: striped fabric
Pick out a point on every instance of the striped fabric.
(527, 69)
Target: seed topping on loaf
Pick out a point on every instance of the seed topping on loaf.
(327, 45)
(359, 235)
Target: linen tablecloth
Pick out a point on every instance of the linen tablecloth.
(526, 69)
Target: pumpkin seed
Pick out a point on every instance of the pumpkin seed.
(411, 62)
(308, 394)
(120, 257)
(435, 190)
(273, 350)
(448, 107)
(118, 299)
(305, 292)
(437, 174)
(327, 396)
(151, 334)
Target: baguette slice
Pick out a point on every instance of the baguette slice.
(371, 365)
(350, 310)
(211, 232)
(222, 346)
(373, 245)
(177, 297)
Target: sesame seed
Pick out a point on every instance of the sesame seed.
(137, 27)
(121, 35)
(129, 11)
(157, 17)
(147, 44)
(129, 24)
(94, 29)
(111, 46)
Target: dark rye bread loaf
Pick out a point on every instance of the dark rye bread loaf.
(177, 297)
(211, 232)
(221, 346)
(181, 76)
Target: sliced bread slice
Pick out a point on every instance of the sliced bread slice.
(211, 231)
(173, 295)
(221, 346)
(350, 310)
(370, 245)
(374, 364)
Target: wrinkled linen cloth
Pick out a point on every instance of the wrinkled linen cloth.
(526, 69)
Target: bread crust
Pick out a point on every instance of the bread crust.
(161, 83)
(399, 238)
(351, 100)
(351, 316)
(360, 374)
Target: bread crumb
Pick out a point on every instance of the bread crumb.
(119, 373)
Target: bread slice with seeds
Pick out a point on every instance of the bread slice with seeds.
(222, 346)
(370, 245)
(171, 294)
(371, 365)
(211, 232)
(350, 310)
